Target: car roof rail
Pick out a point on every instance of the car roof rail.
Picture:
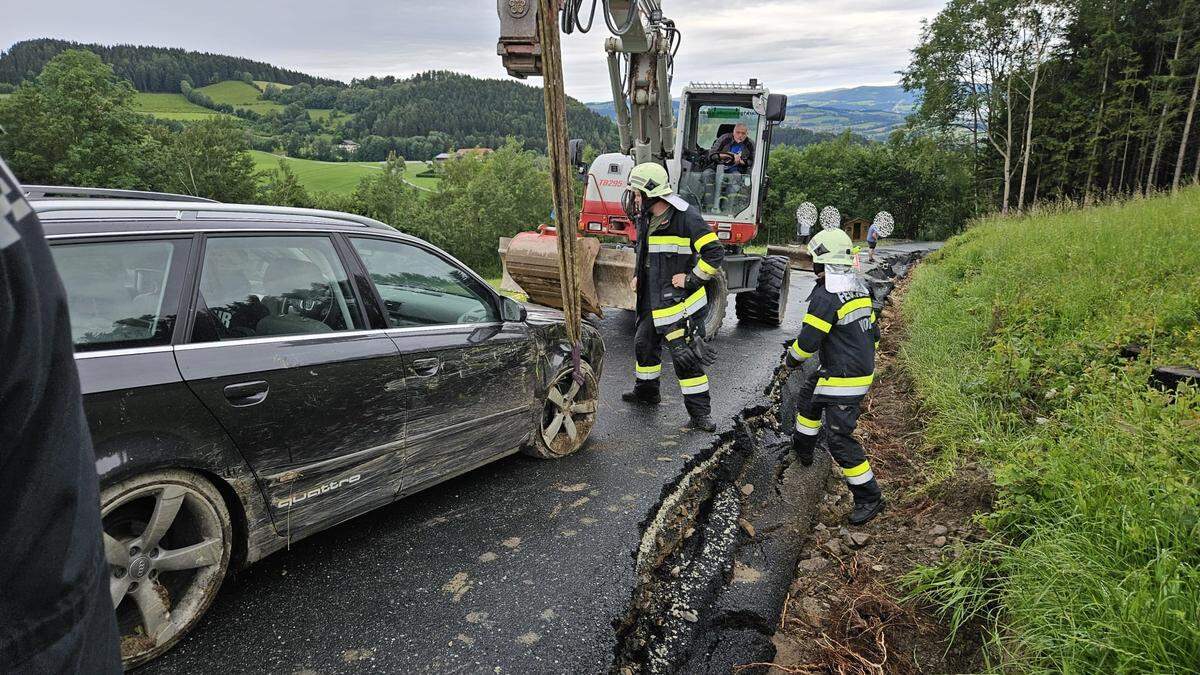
(52, 191)
(191, 211)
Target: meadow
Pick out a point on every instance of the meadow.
(336, 177)
(239, 95)
(1015, 336)
(171, 106)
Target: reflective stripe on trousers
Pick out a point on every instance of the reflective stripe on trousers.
(859, 474)
(648, 372)
(694, 385)
(806, 426)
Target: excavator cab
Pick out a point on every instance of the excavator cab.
(722, 145)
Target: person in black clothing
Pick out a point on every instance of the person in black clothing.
(840, 325)
(738, 144)
(55, 611)
(677, 252)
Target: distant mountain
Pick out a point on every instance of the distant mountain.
(884, 99)
(874, 112)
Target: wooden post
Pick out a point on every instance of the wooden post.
(561, 175)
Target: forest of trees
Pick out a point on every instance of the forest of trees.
(431, 107)
(153, 69)
(1064, 100)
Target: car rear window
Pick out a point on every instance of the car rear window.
(121, 294)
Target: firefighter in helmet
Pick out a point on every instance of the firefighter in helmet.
(677, 253)
(840, 325)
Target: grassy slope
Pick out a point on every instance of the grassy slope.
(239, 95)
(171, 106)
(1015, 329)
(336, 177)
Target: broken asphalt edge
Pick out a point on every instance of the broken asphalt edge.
(719, 548)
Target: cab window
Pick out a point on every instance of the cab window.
(420, 288)
(272, 286)
(121, 294)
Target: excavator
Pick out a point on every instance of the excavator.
(640, 54)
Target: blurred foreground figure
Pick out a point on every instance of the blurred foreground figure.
(55, 611)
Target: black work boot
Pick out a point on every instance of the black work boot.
(701, 423)
(647, 396)
(804, 454)
(864, 511)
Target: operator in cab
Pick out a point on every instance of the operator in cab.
(738, 144)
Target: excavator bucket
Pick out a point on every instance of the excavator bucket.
(530, 262)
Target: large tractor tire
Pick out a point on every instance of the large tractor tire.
(767, 303)
(717, 292)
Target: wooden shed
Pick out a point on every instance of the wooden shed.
(857, 228)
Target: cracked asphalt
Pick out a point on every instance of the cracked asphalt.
(519, 566)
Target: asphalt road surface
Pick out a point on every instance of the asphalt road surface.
(519, 566)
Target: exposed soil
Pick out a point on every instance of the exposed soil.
(844, 613)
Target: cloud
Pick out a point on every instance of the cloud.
(800, 45)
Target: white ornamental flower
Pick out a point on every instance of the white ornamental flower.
(885, 224)
(806, 214)
(830, 218)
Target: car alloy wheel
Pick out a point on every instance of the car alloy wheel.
(167, 540)
(567, 415)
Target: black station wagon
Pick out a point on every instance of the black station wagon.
(252, 375)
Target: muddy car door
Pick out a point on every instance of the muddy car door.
(468, 375)
(281, 354)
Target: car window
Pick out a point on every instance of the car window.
(270, 286)
(420, 288)
(121, 294)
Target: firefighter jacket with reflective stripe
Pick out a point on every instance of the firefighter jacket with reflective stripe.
(683, 244)
(842, 327)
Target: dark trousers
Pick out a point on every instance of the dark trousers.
(647, 348)
(840, 419)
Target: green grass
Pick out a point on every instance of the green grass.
(171, 106)
(323, 114)
(1015, 329)
(336, 177)
(239, 95)
(262, 84)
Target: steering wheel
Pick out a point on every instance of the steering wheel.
(477, 315)
(726, 158)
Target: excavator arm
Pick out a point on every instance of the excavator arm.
(640, 55)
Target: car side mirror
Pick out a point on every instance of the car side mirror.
(776, 107)
(511, 310)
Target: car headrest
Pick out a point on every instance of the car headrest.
(724, 129)
(285, 275)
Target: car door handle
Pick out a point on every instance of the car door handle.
(246, 393)
(427, 367)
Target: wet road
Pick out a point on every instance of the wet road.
(519, 566)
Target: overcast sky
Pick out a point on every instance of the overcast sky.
(791, 45)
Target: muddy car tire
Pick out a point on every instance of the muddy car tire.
(562, 424)
(167, 539)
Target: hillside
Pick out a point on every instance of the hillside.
(1017, 342)
(871, 111)
(151, 69)
(879, 98)
(171, 107)
(336, 177)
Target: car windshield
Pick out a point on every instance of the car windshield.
(719, 156)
